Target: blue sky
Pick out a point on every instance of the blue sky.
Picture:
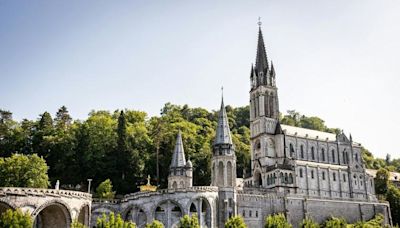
(338, 60)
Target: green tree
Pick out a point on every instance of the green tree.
(393, 196)
(309, 223)
(155, 224)
(334, 222)
(106, 221)
(105, 190)
(235, 222)
(15, 218)
(189, 221)
(23, 171)
(381, 181)
(277, 221)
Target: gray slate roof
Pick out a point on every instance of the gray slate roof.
(223, 135)
(261, 59)
(178, 158)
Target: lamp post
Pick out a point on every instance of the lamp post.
(90, 181)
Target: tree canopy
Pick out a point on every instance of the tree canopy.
(15, 218)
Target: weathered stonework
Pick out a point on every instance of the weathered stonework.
(48, 207)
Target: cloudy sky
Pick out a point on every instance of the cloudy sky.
(338, 60)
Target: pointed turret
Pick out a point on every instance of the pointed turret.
(178, 157)
(261, 58)
(223, 134)
(180, 172)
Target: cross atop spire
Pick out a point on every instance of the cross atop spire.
(178, 157)
(261, 58)
(259, 22)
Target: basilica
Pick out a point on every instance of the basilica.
(296, 171)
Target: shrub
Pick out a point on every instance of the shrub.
(189, 222)
(110, 221)
(76, 224)
(309, 223)
(105, 190)
(277, 221)
(17, 218)
(235, 222)
(334, 222)
(155, 224)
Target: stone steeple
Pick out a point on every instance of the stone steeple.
(178, 157)
(180, 172)
(261, 58)
(223, 133)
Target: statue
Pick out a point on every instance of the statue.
(57, 187)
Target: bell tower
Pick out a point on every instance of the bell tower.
(266, 138)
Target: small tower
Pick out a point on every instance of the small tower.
(224, 158)
(180, 171)
(223, 173)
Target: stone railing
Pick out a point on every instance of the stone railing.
(170, 191)
(106, 201)
(5, 191)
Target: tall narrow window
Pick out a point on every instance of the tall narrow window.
(344, 157)
(286, 178)
(301, 173)
(323, 175)
(334, 176)
(302, 151)
(333, 156)
(356, 157)
(344, 177)
(312, 153)
(291, 150)
(312, 174)
(281, 176)
(323, 154)
(290, 178)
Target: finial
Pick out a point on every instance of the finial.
(222, 92)
(259, 22)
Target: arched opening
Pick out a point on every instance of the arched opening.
(53, 216)
(202, 208)
(181, 185)
(174, 185)
(168, 213)
(136, 215)
(84, 215)
(221, 174)
(257, 179)
(192, 209)
(4, 207)
(229, 174)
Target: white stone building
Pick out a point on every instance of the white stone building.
(296, 171)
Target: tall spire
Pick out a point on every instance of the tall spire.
(261, 58)
(178, 158)
(223, 135)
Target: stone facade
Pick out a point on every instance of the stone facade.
(49, 208)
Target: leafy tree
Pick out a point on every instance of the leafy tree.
(15, 218)
(309, 223)
(63, 119)
(155, 224)
(104, 190)
(23, 171)
(393, 196)
(277, 221)
(189, 222)
(381, 181)
(235, 222)
(106, 221)
(76, 224)
(334, 222)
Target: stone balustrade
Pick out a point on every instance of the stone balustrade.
(43, 192)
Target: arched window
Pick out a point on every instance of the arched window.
(281, 177)
(333, 156)
(302, 151)
(356, 157)
(291, 150)
(274, 180)
(290, 178)
(312, 153)
(323, 175)
(286, 178)
(301, 173)
(323, 154)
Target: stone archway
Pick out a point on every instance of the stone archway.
(84, 215)
(168, 212)
(136, 215)
(4, 207)
(52, 215)
(202, 208)
(258, 179)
